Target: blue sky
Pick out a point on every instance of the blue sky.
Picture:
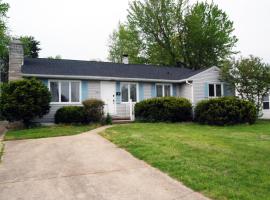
(80, 29)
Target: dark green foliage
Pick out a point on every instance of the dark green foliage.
(24, 100)
(70, 115)
(167, 32)
(168, 109)
(250, 77)
(108, 119)
(225, 111)
(94, 110)
(30, 46)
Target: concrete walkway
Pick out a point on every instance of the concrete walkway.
(84, 166)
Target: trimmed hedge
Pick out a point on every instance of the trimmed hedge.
(70, 114)
(225, 111)
(164, 109)
(94, 110)
(24, 100)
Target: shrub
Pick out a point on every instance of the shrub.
(173, 109)
(225, 111)
(70, 114)
(24, 100)
(94, 110)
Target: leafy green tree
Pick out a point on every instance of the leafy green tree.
(4, 39)
(125, 40)
(208, 39)
(24, 100)
(250, 77)
(30, 46)
(171, 31)
(55, 57)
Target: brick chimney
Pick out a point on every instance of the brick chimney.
(16, 58)
(125, 59)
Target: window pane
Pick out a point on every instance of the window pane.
(218, 90)
(124, 93)
(159, 90)
(75, 91)
(211, 90)
(54, 91)
(64, 91)
(266, 105)
(266, 98)
(167, 90)
(133, 92)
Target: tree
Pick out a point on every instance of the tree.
(125, 40)
(250, 77)
(4, 40)
(208, 39)
(55, 57)
(24, 100)
(171, 31)
(30, 46)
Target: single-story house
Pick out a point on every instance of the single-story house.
(73, 81)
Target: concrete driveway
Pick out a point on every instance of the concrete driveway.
(84, 166)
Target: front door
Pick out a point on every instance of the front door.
(108, 96)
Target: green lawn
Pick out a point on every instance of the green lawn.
(221, 162)
(48, 131)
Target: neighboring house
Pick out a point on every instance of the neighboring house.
(72, 81)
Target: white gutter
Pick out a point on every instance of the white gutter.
(103, 78)
(192, 93)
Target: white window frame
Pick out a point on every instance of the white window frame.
(137, 91)
(163, 89)
(267, 102)
(69, 86)
(215, 90)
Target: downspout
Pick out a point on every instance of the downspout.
(192, 99)
(192, 95)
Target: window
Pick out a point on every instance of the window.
(215, 90)
(159, 91)
(163, 90)
(65, 91)
(129, 91)
(266, 102)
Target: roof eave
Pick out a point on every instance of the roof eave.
(102, 78)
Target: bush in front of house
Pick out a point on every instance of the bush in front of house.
(94, 109)
(164, 109)
(24, 100)
(225, 111)
(70, 115)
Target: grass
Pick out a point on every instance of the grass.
(48, 131)
(221, 162)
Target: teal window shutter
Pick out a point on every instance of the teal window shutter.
(153, 90)
(45, 82)
(206, 90)
(118, 91)
(227, 91)
(141, 92)
(84, 90)
(174, 90)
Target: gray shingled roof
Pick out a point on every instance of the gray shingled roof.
(44, 66)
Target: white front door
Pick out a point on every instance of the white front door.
(108, 96)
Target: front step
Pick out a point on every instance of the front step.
(121, 121)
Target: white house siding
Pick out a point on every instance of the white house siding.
(266, 114)
(184, 90)
(209, 76)
(49, 118)
(94, 89)
(147, 90)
